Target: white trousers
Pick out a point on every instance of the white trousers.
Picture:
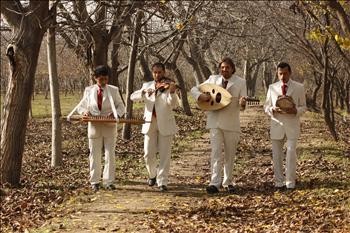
(230, 140)
(95, 146)
(155, 142)
(291, 157)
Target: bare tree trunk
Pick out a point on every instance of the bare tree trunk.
(247, 73)
(23, 57)
(183, 92)
(318, 82)
(56, 153)
(197, 72)
(204, 68)
(114, 78)
(267, 76)
(327, 104)
(144, 57)
(347, 96)
(47, 88)
(147, 74)
(252, 84)
(212, 63)
(131, 73)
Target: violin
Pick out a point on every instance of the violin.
(164, 84)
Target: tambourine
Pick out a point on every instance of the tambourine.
(220, 97)
(285, 102)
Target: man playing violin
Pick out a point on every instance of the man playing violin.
(224, 125)
(160, 99)
(285, 124)
(103, 100)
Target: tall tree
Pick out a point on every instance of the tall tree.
(95, 24)
(29, 24)
(131, 72)
(56, 141)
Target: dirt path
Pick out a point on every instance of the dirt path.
(255, 207)
(127, 208)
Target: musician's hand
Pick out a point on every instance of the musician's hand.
(277, 110)
(85, 114)
(204, 97)
(242, 102)
(149, 91)
(172, 87)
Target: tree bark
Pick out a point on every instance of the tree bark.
(247, 73)
(327, 104)
(56, 153)
(318, 82)
(23, 55)
(114, 78)
(131, 73)
(197, 72)
(267, 77)
(144, 68)
(185, 103)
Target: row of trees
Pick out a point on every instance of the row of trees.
(189, 37)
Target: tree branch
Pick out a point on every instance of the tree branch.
(12, 11)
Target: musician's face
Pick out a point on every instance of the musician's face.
(283, 74)
(226, 70)
(102, 80)
(158, 73)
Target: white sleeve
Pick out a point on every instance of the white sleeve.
(137, 95)
(83, 105)
(268, 103)
(301, 104)
(195, 90)
(119, 105)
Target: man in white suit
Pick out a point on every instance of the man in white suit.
(102, 99)
(224, 125)
(159, 103)
(285, 124)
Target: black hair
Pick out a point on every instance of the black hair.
(283, 65)
(101, 71)
(229, 61)
(159, 65)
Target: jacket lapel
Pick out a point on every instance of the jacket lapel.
(218, 81)
(231, 81)
(290, 88)
(94, 96)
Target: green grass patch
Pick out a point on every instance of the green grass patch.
(41, 107)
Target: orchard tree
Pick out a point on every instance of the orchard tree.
(29, 23)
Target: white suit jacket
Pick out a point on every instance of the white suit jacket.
(285, 124)
(226, 118)
(164, 104)
(89, 103)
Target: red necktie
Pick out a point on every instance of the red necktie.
(99, 98)
(224, 83)
(284, 89)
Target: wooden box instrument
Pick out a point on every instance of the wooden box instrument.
(107, 119)
(285, 102)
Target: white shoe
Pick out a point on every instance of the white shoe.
(290, 185)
